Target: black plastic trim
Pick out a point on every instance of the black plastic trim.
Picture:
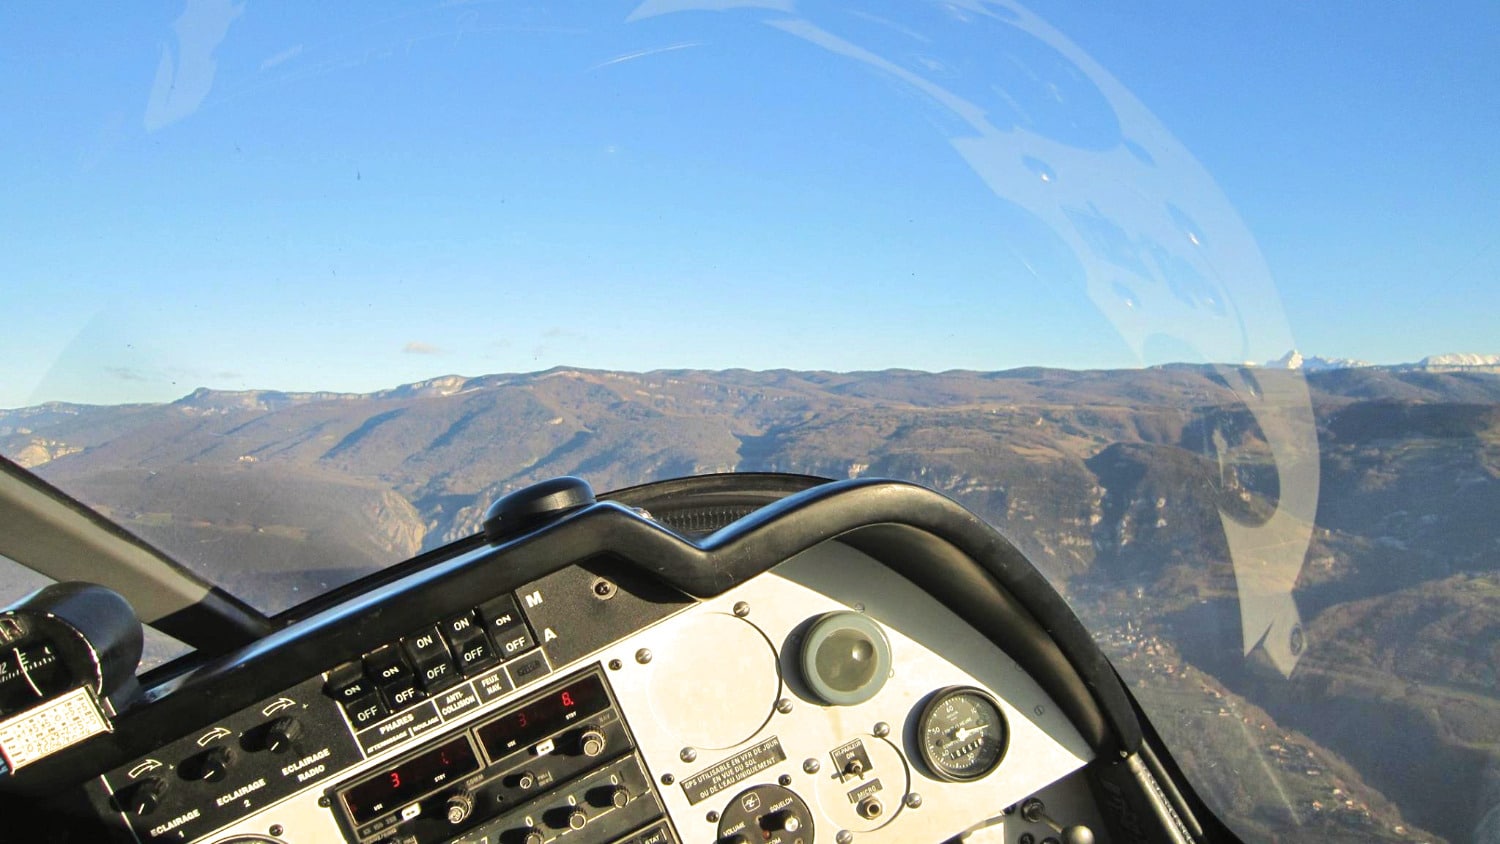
(976, 570)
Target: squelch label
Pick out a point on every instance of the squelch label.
(248, 788)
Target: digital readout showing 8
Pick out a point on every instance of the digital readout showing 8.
(539, 718)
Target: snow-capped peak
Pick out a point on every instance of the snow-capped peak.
(1460, 359)
(1295, 360)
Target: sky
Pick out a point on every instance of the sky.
(349, 198)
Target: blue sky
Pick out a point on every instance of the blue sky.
(240, 196)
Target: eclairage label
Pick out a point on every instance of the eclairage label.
(52, 726)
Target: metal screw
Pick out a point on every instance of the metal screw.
(1032, 809)
(844, 836)
(615, 664)
(604, 589)
(785, 780)
(688, 754)
(324, 801)
(667, 779)
(712, 816)
(643, 656)
(741, 609)
(882, 729)
(784, 706)
(276, 829)
(811, 766)
(913, 801)
(859, 606)
(1026, 838)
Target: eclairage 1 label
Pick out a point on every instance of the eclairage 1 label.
(49, 727)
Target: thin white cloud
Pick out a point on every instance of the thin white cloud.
(651, 52)
(126, 373)
(417, 347)
(285, 55)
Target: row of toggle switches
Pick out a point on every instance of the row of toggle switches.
(397, 675)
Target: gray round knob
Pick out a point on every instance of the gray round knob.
(459, 807)
(591, 742)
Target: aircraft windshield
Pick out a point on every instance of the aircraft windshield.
(294, 295)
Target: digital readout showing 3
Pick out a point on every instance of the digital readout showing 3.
(410, 779)
(517, 729)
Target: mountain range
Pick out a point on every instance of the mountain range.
(1457, 362)
(1112, 482)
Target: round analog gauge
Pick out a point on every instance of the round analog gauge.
(962, 734)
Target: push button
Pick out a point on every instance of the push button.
(501, 618)
(385, 666)
(533, 667)
(401, 694)
(459, 626)
(429, 656)
(517, 642)
(472, 650)
(352, 690)
(425, 647)
(364, 710)
(347, 682)
(437, 676)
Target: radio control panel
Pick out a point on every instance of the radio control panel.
(826, 699)
(559, 762)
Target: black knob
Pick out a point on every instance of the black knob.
(143, 797)
(609, 795)
(458, 807)
(211, 765)
(281, 733)
(534, 506)
(591, 741)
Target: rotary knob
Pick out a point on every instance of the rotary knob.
(281, 733)
(458, 807)
(143, 797)
(591, 742)
(211, 765)
(577, 819)
(530, 835)
(609, 795)
(781, 821)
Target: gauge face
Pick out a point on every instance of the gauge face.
(962, 734)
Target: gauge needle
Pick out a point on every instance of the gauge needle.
(963, 733)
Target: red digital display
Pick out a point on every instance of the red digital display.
(542, 716)
(410, 779)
